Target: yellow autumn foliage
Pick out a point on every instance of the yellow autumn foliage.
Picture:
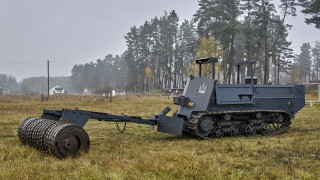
(208, 47)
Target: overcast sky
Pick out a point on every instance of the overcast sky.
(69, 32)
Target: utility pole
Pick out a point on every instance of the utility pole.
(270, 78)
(48, 79)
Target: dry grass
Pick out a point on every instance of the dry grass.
(139, 153)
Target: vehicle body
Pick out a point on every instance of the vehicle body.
(207, 109)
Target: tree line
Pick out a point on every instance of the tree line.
(100, 76)
(306, 65)
(159, 52)
(156, 58)
(8, 83)
(32, 85)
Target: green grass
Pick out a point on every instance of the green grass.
(140, 153)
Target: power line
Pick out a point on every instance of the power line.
(33, 62)
(14, 63)
(59, 62)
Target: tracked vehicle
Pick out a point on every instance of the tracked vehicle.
(207, 109)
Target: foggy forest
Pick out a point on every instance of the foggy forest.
(160, 52)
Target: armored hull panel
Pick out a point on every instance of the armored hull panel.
(213, 110)
(197, 96)
(221, 98)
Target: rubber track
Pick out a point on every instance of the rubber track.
(193, 123)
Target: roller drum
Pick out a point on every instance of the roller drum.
(30, 129)
(57, 138)
(67, 140)
(42, 131)
(24, 126)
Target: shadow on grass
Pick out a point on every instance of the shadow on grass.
(177, 138)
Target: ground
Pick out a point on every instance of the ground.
(140, 153)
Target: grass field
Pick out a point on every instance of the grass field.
(140, 153)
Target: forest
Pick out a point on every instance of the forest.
(32, 85)
(160, 52)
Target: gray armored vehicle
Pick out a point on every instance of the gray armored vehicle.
(207, 109)
(210, 109)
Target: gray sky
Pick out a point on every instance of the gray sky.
(69, 32)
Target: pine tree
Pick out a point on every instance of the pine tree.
(220, 20)
(312, 8)
(303, 61)
(208, 47)
(185, 51)
(316, 59)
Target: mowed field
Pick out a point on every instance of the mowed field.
(140, 153)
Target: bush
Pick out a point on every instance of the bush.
(103, 89)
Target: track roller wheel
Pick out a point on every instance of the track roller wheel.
(248, 130)
(217, 132)
(265, 129)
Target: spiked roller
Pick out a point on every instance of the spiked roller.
(60, 139)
